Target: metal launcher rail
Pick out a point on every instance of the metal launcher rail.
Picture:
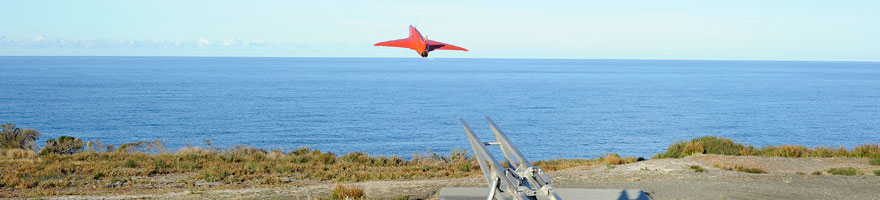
(515, 177)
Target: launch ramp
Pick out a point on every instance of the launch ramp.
(516, 178)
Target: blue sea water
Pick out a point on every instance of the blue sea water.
(549, 108)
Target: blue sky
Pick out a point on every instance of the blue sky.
(723, 30)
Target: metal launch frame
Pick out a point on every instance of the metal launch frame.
(515, 177)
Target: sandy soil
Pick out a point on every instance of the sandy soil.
(786, 178)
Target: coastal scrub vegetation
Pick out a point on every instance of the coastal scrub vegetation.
(874, 161)
(845, 171)
(342, 192)
(12, 137)
(741, 168)
(67, 162)
(697, 168)
(726, 146)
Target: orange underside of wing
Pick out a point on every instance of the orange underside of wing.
(403, 43)
(444, 46)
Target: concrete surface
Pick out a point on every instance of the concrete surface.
(459, 193)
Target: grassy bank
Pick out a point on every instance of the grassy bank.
(726, 146)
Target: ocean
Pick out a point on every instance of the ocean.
(397, 106)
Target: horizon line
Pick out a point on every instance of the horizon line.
(500, 58)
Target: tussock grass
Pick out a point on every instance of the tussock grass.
(697, 168)
(13, 154)
(741, 168)
(726, 146)
(342, 192)
(615, 159)
(845, 171)
(559, 164)
(874, 161)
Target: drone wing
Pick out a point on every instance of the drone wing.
(434, 45)
(403, 43)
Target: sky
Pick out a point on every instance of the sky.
(692, 30)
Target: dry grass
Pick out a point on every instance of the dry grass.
(741, 168)
(342, 192)
(845, 171)
(559, 164)
(21, 169)
(615, 159)
(726, 146)
(43, 174)
(14, 154)
(697, 168)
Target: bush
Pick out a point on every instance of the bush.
(357, 157)
(18, 138)
(697, 168)
(875, 161)
(64, 145)
(753, 170)
(877, 172)
(342, 192)
(458, 154)
(128, 164)
(741, 168)
(866, 151)
(846, 171)
(791, 151)
(706, 145)
(725, 146)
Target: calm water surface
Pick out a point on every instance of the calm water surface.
(549, 108)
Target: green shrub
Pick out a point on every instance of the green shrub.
(17, 138)
(697, 168)
(817, 173)
(356, 157)
(128, 163)
(706, 145)
(874, 161)
(98, 175)
(866, 151)
(846, 171)
(741, 168)
(458, 154)
(64, 145)
(791, 151)
(464, 167)
(877, 172)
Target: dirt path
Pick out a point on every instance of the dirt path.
(661, 178)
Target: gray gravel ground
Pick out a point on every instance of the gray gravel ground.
(785, 178)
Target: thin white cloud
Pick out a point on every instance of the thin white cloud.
(203, 42)
(196, 46)
(231, 42)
